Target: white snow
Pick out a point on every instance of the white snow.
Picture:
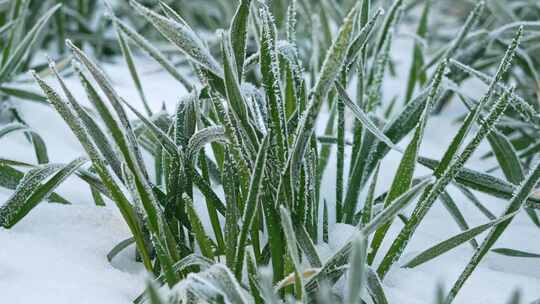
(57, 254)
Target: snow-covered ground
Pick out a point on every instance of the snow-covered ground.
(57, 254)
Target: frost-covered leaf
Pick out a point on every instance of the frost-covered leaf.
(252, 204)
(453, 242)
(202, 237)
(238, 34)
(182, 37)
(357, 270)
(153, 52)
(203, 137)
(515, 253)
(33, 189)
(364, 119)
(375, 287)
(515, 204)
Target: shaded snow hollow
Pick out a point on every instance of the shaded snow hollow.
(57, 254)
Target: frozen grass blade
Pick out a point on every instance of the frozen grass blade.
(389, 22)
(326, 150)
(455, 44)
(367, 210)
(416, 74)
(468, 194)
(515, 253)
(360, 41)
(239, 35)
(356, 280)
(181, 36)
(514, 205)
(119, 248)
(153, 295)
(480, 181)
(364, 119)
(506, 157)
(306, 244)
(128, 57)
(456, 214)
(201, 138)
(205, 244)
(100, 139)
(340, 159)
(270, 74)
(216, 280)
(40, 147)
(375, 288)
(33, 189)
(293, 251)
(235, 99)
(453, 242)
(23, 94)
(251, 206)
(376, 76)
(505, 153)
(147, 47)
(165, 140)
(525, 110)
(17, 57)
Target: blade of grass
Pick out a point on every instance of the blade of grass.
(271, 73)
(239, 35)
(128, 57)
(515, 204)
(153, 52)
(364, 119)
(251, 206)
(515, 253)
(292, 246)
(453, 242)
(119, 248)
(182, 37)
(416, 74)
(456, 214)
(375, 287)
(235, 99)
(357, 270)
(480, 181)
(202, 237)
